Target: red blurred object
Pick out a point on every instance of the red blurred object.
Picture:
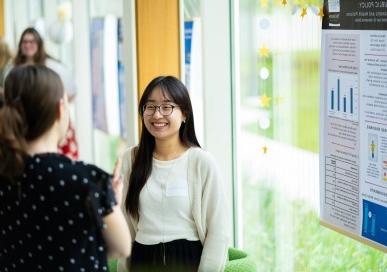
(69, 146)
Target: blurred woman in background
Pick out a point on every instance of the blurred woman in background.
(31, 51)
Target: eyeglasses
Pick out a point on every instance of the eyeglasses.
(164, 109)
(28, 41)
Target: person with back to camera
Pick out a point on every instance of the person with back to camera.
(173, 191)
(31, 51)
(55, 214)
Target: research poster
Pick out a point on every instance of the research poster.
(97, 29)
(353, 120)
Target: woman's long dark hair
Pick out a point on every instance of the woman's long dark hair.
(40, 56)
(31, 96)
(142, 164)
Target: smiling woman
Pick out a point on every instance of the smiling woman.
(174, 197)
(162, 121)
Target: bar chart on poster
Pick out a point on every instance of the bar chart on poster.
(343, 96)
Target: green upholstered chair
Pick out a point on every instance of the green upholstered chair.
(238, 261)
(112, 265)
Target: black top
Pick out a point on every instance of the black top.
(51, 217)
(355, 15)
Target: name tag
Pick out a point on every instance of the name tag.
(177, 189)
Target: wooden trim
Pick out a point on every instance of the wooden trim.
(158, 40)
(356, 237)
(2, 18)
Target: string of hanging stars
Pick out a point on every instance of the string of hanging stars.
(302, 8)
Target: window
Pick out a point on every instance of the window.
(107, 80)
(279, 144)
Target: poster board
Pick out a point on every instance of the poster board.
(353, 120)
(108, 86)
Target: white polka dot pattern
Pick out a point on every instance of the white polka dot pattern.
(49, 223)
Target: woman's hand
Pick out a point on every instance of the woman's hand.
(117, 234)
(117, 183)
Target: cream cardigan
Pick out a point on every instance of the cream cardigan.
(210, 210)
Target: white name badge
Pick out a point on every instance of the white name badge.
(177, 189)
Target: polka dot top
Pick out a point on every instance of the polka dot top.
(51, 217)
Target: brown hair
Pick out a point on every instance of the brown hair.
(31, 96)
(40, 56)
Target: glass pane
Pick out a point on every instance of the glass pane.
(279, 143)
(193, 61)
(107, 81)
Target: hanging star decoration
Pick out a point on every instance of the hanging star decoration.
(264, 3)
(295, 9)
(264, 51)
(304, 11)
(264, 149)
(264, 101)
(64, 11)
(284, 2)
(321, 12)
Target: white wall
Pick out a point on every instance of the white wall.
(82, 75)
(217, 87)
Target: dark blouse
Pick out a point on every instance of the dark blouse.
(51, 217)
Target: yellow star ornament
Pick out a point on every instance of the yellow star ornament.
(64, 12)
(264, 101)
(264, 3)
(264, 51)
(264, 149)
(284, 2)
(321, 12)
(304, 11)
